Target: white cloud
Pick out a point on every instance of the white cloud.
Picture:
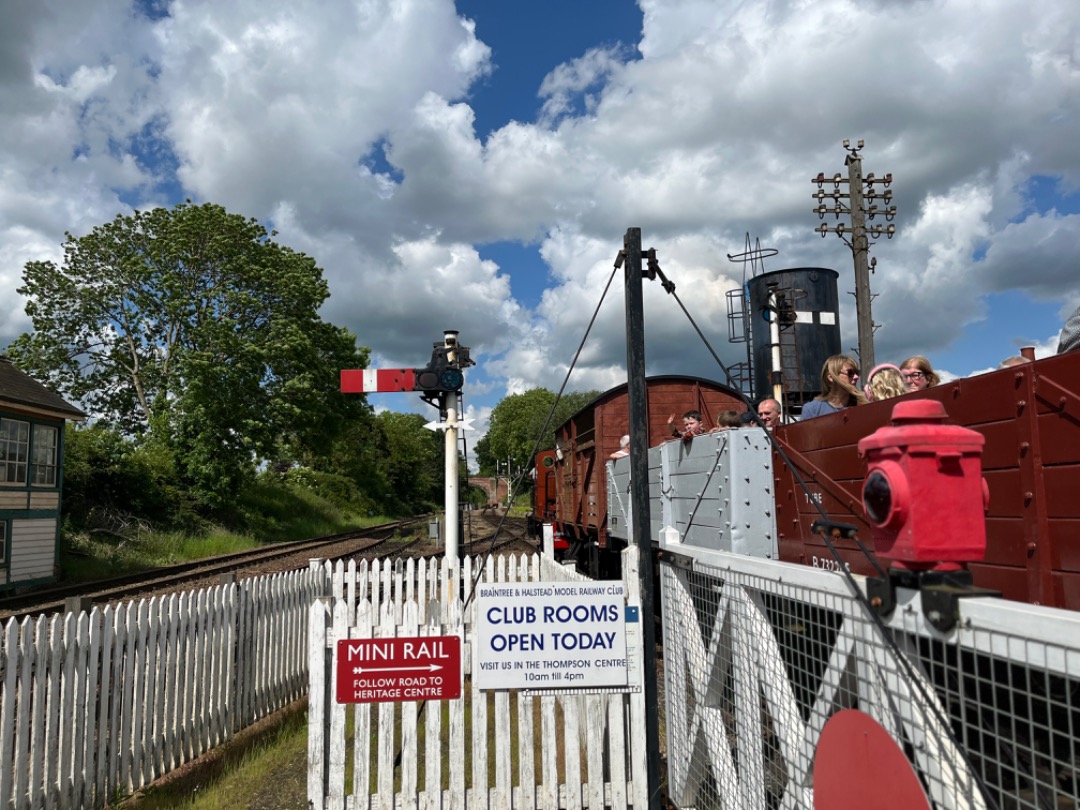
(349, 126)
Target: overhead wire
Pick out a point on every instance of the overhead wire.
(512, 494)
(543, 431)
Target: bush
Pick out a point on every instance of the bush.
(337, 489)
(108, 478)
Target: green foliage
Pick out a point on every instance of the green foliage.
(193, 327)
(109, 479)
(414, 463)
(519, 419)
(477, 496)
(266, 510)
(339, 490)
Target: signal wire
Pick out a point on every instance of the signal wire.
(517, 484)
(907, 667)
(542, 433)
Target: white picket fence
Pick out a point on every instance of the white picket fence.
(98, 704)
(602, 761)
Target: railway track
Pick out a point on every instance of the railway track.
(163, 579)
(508, 535)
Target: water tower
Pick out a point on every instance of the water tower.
(786, 317)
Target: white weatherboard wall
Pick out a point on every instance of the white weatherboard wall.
(715, 490)
(33, 548)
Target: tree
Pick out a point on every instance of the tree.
(517, 421)
(193, 326)
(414, 463)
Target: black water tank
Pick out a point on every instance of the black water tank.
(810, 328)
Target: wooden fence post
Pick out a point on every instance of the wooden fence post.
(318, 620)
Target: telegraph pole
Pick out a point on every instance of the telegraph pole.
(630, 256)
(860, 233)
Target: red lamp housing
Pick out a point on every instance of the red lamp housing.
(924, 492)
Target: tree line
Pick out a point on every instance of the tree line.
(195, 342)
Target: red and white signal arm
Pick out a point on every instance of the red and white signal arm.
(381, 670)
(365, 381)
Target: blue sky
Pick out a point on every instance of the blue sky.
(526, 39)
(475, 165)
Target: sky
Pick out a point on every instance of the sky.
(474, 166)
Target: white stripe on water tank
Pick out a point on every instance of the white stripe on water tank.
(803, 316)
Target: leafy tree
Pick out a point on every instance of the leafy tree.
(193, 325)
(109, 479)
(517, 421)
(414, 463)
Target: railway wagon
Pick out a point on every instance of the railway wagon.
(544, 498)
(584, 442)
(1028, 414)
(1030, 417)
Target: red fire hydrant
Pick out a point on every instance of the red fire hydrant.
(924, 492)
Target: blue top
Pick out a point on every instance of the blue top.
(818, 407)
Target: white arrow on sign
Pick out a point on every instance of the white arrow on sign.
(463, 424)
(428, 668)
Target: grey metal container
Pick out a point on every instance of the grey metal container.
(715, 490)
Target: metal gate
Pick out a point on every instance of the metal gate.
(760, 654)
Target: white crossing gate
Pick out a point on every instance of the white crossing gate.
(504, 749)
(759, 655)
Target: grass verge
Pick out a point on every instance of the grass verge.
(264, 766)
(268, 512)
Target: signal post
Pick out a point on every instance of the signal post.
(439, 384)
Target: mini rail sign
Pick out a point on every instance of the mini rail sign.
(392, 670)
(551, 635)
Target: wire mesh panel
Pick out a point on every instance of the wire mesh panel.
(759, 655)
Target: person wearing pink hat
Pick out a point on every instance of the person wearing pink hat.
(883, 382)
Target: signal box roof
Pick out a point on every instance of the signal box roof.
(20, 391)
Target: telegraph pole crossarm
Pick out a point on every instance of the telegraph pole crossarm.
(860, 204)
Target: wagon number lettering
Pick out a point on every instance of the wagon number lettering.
(828, 564)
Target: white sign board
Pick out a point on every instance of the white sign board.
(550, 635)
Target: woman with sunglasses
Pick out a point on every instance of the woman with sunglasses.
(839, 377)
(918, 374)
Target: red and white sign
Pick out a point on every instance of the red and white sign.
(380, 670)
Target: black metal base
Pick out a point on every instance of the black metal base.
(941, 592)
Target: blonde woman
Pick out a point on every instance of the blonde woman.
(884, 382)
(839, 377)
(918, 374)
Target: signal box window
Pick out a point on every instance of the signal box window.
(43, 472)
(14, 448)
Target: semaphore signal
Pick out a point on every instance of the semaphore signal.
(439, 384)
(381, 380)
